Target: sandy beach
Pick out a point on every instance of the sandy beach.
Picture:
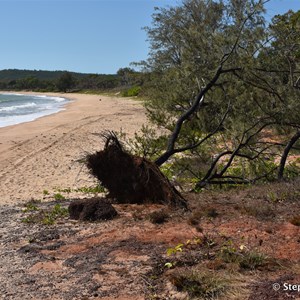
(43, 154)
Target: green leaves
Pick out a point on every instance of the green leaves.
(254, 97)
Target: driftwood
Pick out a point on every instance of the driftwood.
(129, 178)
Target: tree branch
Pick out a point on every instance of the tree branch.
(285, 154)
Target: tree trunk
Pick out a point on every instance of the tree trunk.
(285, 154)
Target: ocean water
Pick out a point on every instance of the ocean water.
(19, 108)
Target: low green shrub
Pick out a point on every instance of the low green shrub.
(131, 92)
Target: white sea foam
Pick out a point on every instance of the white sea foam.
(13, 94)
(16, 107)
(56, 99)
(19, 108)
(13, 120)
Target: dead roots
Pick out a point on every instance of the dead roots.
(131, 179)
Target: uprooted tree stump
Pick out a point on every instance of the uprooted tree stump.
(94, 209)
(129, 178)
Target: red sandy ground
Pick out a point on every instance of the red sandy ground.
(125, 258)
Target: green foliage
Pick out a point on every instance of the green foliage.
(58, 197)
(176, 249)
(246, 259)
(66, 190)
(30, 206)
(229, 138)
(252, 261)
(45, 81)
(229, 252)
(276, 197)
(147, 143)
(129, 77)
(65, 82)
(85, 189)
(131, 92)
(292, 170)
(91, 190)
(199, 284)
(29, 220)
(45, 192)
(180, 248)
(283, 194)
(57, 212)
(261, 212)
(45, 216)
(168, 170)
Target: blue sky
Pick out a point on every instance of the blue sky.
(90, 36)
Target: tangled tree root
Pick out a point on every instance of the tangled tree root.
(94, 209)
(131, 179)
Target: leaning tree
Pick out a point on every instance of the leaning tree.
(208, 92)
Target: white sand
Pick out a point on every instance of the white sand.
(43, 154)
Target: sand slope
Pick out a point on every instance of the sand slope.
(42, 155)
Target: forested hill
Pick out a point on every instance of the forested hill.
(39, 80)
(15, 74)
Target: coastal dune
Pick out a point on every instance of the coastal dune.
(43, 154)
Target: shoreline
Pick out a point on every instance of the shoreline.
(49, 95)
(43, 154)
(32, 129)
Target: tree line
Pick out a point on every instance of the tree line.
(64, 81)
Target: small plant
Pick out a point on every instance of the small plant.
(46, 217)
(59, 197)
(86, 190)
(249, 260)
(175, 250)
(55, 213)
(261, 212)
(252, 260)
(274, 197)
(30, 206)
(229, 252)
(204, 285)
(131, 92)
(180, 248)
(28, 220)
(91, 190)
(45, 193)
(66, 190)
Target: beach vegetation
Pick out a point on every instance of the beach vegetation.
(58, 197)
(131, 92)
(46, 192)
(48, 216)
(30, 206)
(199, 284)
(84, 189)
(57, 212)
(223, 86)
(91, 189)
